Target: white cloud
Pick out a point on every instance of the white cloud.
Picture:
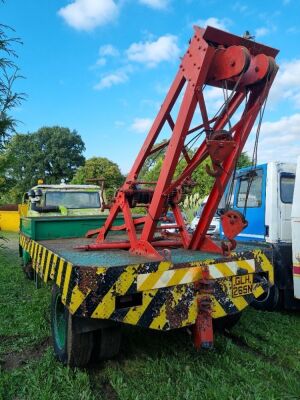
(213, 93)
(88, 14)
(157, 4)
(105, 51)
(242, 8)
(287, 84)
(287, 125)
(214, 99)
(112, 79)
(119, 124)
(101, 62)
(165, 48)
(279, 140)
(293, 29)
(141, 125)
(108, 50)
(215, 22)
(260, 32)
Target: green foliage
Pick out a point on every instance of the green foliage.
(51, 154)
(9, 72)
(191, 204)
(9, 99)
(244, 160)
(103, 168)
(203, 181)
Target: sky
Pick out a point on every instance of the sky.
(103, 67)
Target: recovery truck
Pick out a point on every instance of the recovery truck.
(268, 195)
(138, 273)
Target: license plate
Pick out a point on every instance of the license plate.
(242, 285)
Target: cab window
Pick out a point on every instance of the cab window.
(74, 199)
(287, 184)
(254, 191)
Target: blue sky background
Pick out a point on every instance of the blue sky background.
(103, 67)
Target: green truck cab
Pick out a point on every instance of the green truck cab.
(65, 200)
(60, 211)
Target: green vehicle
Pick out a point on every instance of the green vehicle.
(60, 211)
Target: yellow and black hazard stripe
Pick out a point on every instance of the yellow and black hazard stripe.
(166, 293)
(48, 264)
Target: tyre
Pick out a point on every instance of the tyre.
(268, 301)
(107, 342)
(70, 348)
(227, 322)
(26, 264)
(28, 270)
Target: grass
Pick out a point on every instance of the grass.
(259, 359)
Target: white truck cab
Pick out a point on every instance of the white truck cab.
(279, 199)
(272, 190)
(296, 233)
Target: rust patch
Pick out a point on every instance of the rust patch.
(88, 279)
(176, 313)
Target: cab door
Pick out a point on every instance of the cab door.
(286, 191)
(250, 200)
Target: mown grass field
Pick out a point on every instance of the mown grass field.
(258, 359)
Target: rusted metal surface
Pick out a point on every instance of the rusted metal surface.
(9, 207)
(65, 248)
(203, 328)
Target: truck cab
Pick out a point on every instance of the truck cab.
(264, 194)
(68, 200)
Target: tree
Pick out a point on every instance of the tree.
(244, 160)
(51, 154)
(101, 167)
(203, 181)
(8, 98)
(9, 72)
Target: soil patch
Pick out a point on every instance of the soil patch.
(14, 360)
(101, 387)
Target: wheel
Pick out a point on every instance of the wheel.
(27, 264)
(107, 342)
(28, 270)
(70, 348)
(227, 322)
(268, 301)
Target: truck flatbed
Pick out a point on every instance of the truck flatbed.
(66, 248)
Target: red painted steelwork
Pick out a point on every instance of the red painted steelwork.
(233, 222)
(203, 336)
(126, 245)
(213, 58)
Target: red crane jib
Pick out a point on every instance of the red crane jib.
(243, 68)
